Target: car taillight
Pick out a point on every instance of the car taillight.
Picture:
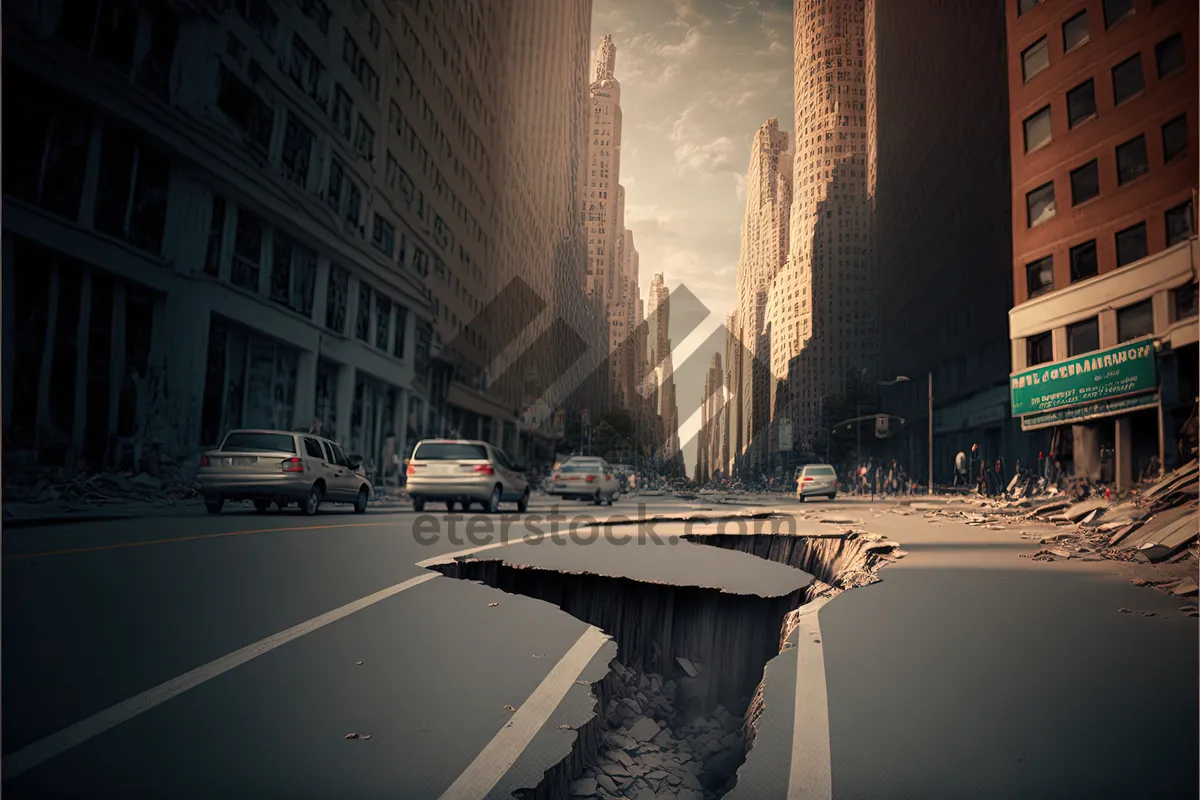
(411, 470)
(591, 478)
(483, 469)
(557, 477)
(292, 465)
(807, 479)
(204, 462)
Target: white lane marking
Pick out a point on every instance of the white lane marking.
(498, 756)
(58, 743)
(447, 558)
(811, 773)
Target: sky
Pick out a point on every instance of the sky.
(698, 78)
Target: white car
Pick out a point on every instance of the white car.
(816, 480)
(584, 479)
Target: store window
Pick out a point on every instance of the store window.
(1136, 321)
(1083, 337)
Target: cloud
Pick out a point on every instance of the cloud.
(689, 46)
(739, 185)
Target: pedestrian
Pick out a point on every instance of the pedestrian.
(960, 469)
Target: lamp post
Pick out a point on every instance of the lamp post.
(931, 434)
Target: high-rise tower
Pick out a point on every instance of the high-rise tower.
(823, 298)
(763, 254)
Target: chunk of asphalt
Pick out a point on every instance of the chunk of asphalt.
(644, 730)
(1185, 588)
(584, 787)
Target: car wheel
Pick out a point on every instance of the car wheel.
(799, 498)
(450, 505)
(523, 503)
(596, 498)
(611, 499)
(418, 504)
(262, 506)
(492, 505)
(833, 496)
(360, 502)
(312, 502)
(213, 505)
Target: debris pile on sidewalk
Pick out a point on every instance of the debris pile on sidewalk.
(650, 751)
(51, 491)
(1154, 524)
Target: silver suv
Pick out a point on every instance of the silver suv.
(816, 480)
(281, 467)
(464, 471)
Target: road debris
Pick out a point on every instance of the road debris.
(1153, 527)
(492, 605)
(509, 707)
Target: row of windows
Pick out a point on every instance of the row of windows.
(1133, 322)
(1131, 246)
(1132, 162)
(1128, 82)
(1114, 10)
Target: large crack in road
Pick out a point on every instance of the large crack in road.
(675, 716)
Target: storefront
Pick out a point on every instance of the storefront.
(1103, 408)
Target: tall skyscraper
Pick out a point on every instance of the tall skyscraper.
(603, 175)
(826, 289)
(942, 195)
(623, 321)
(660, 354)
(711, 435)
(764, 250)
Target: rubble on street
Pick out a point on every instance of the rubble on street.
(658, 744)
(35, 493)
(1156, 524)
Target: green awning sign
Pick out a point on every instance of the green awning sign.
(1126, 369)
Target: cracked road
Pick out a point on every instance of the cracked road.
(230, 656)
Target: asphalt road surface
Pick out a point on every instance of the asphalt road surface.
(229, 656)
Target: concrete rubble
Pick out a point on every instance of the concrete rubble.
(657, 747)
(1154, 525)
(50, 492)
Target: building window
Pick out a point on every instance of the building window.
(1169, 55)
(1083, 261)
(1039, 205)
(1131, 244)
(362, 319)
(1037, 129)
(373, 31)
(1035, 59)
(298, 143)
(1127, 79)
(353, 203)
(1116, 10)
(1175, 138)
(1131, 160)
(343, 110)
(364, 141)
(335, 300)
(337, 177)
(1083, 337)
(246, 109)
(1181, 224)
(383, 235)
(131, 198)
(1183, 301)
(1025, 5)
(1075, 31)
(216, 237)
(383, 321)
(1081, 103)
(401, 326)
(1085, 182)
(1039, 276)
(247, 251)
(318, 12)
(1039, 349)
(293, 273)
(1136, 321)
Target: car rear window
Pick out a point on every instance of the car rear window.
(242, 442)
(586, 466)
(449, 451)
(824, 472)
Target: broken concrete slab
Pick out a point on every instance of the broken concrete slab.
(688, 667)
(584, 787)
(1186, 588)
(644, 730)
